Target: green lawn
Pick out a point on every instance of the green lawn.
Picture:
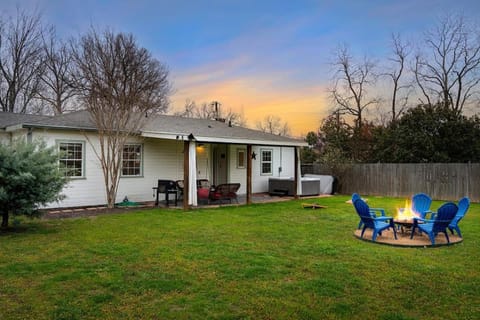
(265, 261)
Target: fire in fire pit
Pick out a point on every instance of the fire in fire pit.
(406, 213)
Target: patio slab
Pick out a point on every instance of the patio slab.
(403, 239)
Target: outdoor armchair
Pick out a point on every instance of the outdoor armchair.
(377, 224)
(166, 187)
(226, 191)
(373, 211)
(463, 206)
(443, 217)
(421, 204)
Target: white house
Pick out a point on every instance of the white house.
(218, 152)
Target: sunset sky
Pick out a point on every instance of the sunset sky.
(256, 57)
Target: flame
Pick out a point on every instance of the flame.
(406, 213)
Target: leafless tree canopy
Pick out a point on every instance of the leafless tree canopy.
(56, 91)
(120, 84)
(351, 83)
(274, 125)
(21, 61)
(448, 71)
(214, 111)
(400, 90)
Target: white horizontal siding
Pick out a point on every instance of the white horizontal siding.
(162, 159)
(204, 163)
(237, 174)
(283, 157)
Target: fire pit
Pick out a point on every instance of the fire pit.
(404, 218)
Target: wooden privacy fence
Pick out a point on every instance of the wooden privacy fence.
(442, 181)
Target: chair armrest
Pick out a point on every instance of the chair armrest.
(431, 213)
(382, 211)
(383, 218)
(423, 220)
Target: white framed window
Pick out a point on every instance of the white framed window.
(266, 161)
(132, 160)
(241, 158)
(72, 158)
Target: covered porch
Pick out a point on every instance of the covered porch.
(203, 166)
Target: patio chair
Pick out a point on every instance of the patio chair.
(226, 191)
(442, 218)
(180, 186)
(373, 211)
(463, 206)
(421, 204)
(167, 187)
(377, 224)
(203, 190)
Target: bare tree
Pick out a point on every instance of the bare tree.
(213, 111)
(121, 84)
(351, 83)
(57, 90)
(21, 61)
(274, 125)
(400, 91)
(449, 72)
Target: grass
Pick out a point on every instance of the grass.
(265, 261)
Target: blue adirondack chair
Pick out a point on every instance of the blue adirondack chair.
(443, 217)
(421, 204)
(377, 224)
(463, 206)
(373, 211)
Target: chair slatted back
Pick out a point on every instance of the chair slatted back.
(444, 216)
(421, 203)
(364, 212)
(166, 185)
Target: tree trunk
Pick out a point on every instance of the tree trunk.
(5, 220)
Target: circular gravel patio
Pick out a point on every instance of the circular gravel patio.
(403, 238)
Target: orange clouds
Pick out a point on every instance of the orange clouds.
(302, 106)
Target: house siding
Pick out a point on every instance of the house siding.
(283, 157)
(162, 159)
(237, 174)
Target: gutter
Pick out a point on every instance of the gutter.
(175, 136)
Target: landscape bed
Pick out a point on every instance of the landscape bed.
(263, 261)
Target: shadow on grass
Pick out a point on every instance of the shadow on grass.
(27, 228)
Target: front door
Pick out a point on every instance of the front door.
(220, 164)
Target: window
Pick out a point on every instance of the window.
(132, 160)
(241, 157)
(266, 161)
(71, 158)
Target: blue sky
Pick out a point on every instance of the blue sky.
(256, 57)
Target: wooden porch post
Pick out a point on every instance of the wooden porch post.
(186, 176)
(295, 178)
(249, 174)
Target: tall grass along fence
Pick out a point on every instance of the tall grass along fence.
(442, 181)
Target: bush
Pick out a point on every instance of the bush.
(29, 178)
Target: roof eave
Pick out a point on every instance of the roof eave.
(184, 136)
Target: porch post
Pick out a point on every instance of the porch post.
(296, 179)
(186, 177)
(192, 175)
(249, 173)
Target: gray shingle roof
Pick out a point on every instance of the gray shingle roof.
(204, 128)
(172, 126)
(10, 119)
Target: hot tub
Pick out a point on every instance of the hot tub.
(285, 186)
